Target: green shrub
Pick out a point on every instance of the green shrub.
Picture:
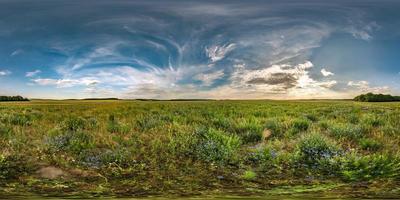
(250, 130)
(315, 147)
(147, 122)
(5, 132)
(324, 124)
(19, 119)
(347, 131)
(370, 144)
(312, 117)
(277, 127)
(73, 142)
(369, 167)
(97, 158)
(372, 120)
(252, 137)
(13, 166)
(298, 125)
(216, 146)
(353, 118)
(73, 123)
(249, 175)
(390, 131)
(222, 123)
(265, 157)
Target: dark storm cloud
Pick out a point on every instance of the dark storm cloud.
(285, 79)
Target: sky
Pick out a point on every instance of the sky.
(226, 49)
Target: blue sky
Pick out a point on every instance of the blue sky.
(199, 49)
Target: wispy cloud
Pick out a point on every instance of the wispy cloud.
(4, 72)
(16, 52)
(216, 53)
(65, 83)
(209, 78)
(32, 73)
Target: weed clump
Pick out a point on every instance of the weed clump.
(71, 142)
(347, 131)
(74, 124)
(370, 167)
(114, 126)
(249, 175)
(277, 127)
(13, 166)
(250, 130)
(370, 144)
(217, 147)
(299, 125)
(314, 148)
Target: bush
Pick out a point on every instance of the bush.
(265, 157)
(115, 127)
(249, 175)
(73, 142)
(19, 119)
(148, 122)
(347, 131)
(370, 167)
(370, 144)
(250, 130)
(74, 124)
(97, 158)
(372, 120)
(370, 97)
(11, 167)
(277, 127)
(13, 98)
(315, 147)
(216, 146)
(5, 132)
(299, 125)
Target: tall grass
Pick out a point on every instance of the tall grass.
(199, 144)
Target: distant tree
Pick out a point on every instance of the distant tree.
(13, 98)
(370, 97)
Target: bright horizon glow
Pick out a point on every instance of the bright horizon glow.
(199, 49)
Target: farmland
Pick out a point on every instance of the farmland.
(140, 148)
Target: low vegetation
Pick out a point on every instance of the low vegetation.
(115, 147)
(13, 98)
(370, 97)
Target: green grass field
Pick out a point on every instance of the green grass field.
(182, 147)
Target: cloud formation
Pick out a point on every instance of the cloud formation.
(364, 86)
(325, 73)
(190, 49)
(4, 72)
(32, 73)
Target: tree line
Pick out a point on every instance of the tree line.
(13, 98)
(371, 97)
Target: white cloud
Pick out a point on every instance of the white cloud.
(217, 53)
(65, 83)
(325, 73)
(32, 73)
(208, 79)
(281, 80)
(4, 72)
(364, 86)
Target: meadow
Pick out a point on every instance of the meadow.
(141, 148)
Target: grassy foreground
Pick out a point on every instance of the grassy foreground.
(139, 148)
